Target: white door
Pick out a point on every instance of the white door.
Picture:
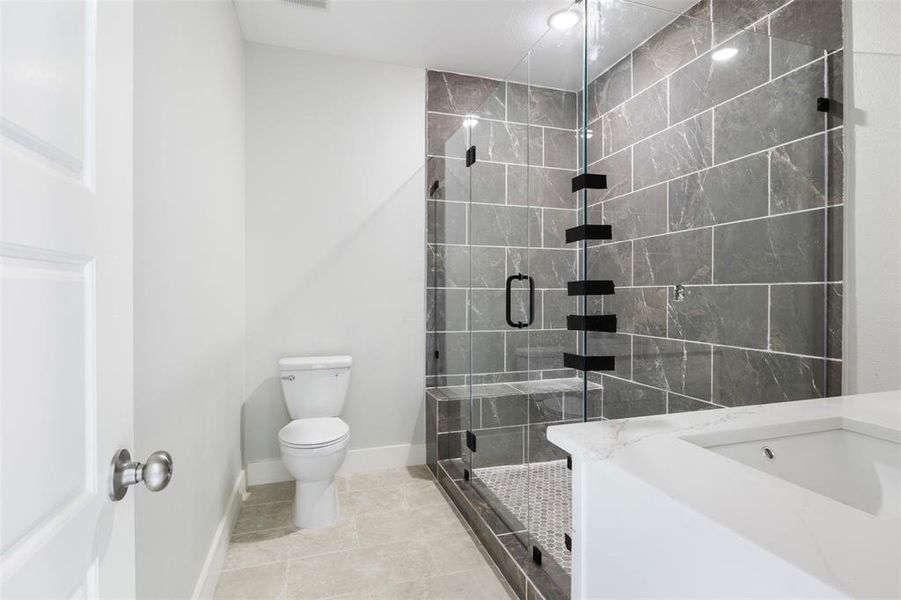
(65, 297)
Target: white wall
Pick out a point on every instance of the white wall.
(335, 236)
(873, 206)
(189, 281)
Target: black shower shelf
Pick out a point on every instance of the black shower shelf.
(589, 232)
(591, 287)
(606, 323)
(589, 363)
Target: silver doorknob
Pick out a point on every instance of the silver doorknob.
(155, 472)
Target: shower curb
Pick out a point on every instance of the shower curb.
(528, 580)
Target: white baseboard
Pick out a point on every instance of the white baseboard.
(362, 460)
(209, 574)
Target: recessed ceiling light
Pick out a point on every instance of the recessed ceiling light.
(470, 121)
(564, 19)
(724, 54)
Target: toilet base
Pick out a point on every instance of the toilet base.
(315, 504)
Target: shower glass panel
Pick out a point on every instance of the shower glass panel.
(504, 301)
(719, 134)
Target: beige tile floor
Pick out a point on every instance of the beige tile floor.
(398, 537)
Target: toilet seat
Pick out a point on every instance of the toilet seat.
(318, 432)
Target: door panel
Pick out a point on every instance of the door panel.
(65, 298)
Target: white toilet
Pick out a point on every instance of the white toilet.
(314, 443)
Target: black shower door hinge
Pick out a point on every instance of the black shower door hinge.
(471, 441)
(471, 156)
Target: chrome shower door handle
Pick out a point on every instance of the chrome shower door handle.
(155, 472)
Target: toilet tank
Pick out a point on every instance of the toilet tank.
(315, 386)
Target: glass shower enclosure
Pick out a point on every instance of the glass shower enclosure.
(643, 216)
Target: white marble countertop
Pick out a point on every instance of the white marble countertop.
(853, 552)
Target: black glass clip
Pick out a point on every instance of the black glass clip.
(568, 542)
(606, 323)
(536, 555)
(465, 474)
(471, 156)
(471, 441)
(823, 105)
(569, 463)
(598, 287)
(589, 232)
(589, 363)
(591, 181)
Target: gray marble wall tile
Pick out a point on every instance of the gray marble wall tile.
(798, 175)
(538, 349)
(550, 268)
(730, 192)
(551, 188)
(446, 309)
(539, 448)
(610, 89)
(611, 261)
(678, 43)
(641, 116)
(541, 106)
(707, 82)
(637, 214)
(835, 161)
(560, 148)
(731, 14)
(834, 294)
(672, 365)
(454, 415)
(785, 248)
(500, 141)
(499, 411)
(743, 377)
(488, 309)
(487, 267)
(625, 399)
(781, 111)
(487, 349)
(594, 146)
(676, 258)
(464, 94)
(574, 405)
(835, 224)
(431, 432)
(447, 136)
(637, 310)
(448, 266)
(797, 318)
(450, 445)
(835, 82)
(810, 28)
(834, 378)
(679, 150)
(449, 179)
(618, 169)
(447, 222)
(617, 345)
(555, 222)
(495, 225)
(556, 306)
(679, 404)
(733, 315)
(502, 446)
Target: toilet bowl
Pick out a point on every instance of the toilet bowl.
(314, 444)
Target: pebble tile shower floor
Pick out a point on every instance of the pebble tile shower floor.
(398, 537)
(540, 496)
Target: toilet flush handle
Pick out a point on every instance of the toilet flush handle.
(288, 377)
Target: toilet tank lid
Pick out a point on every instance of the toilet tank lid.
(306, 363)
